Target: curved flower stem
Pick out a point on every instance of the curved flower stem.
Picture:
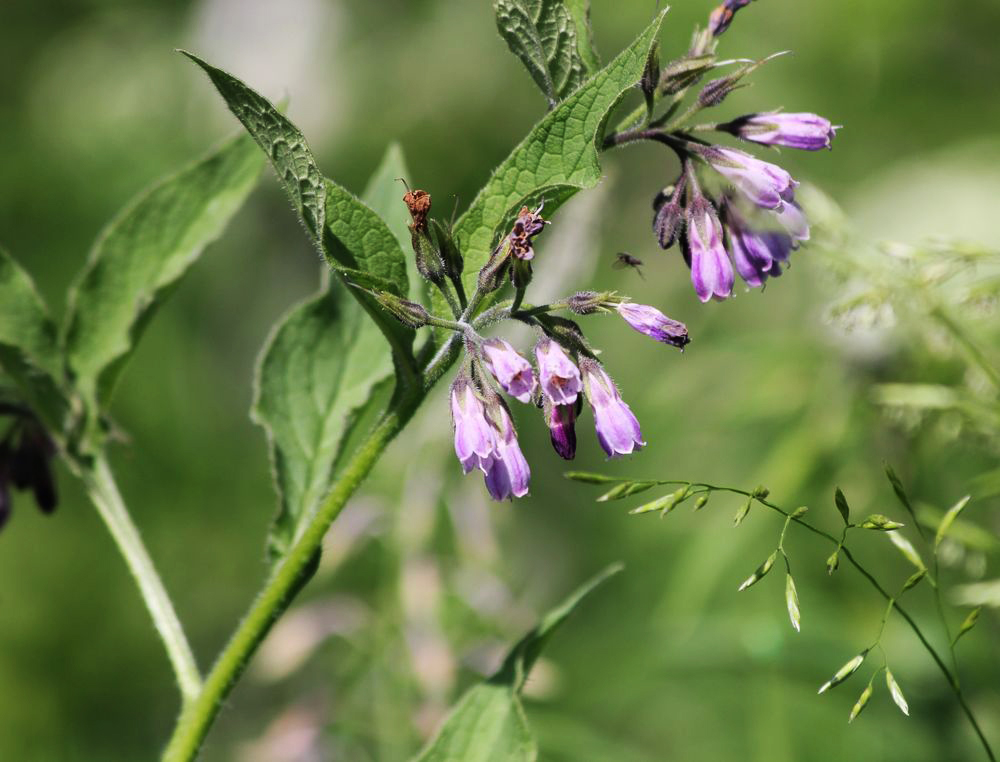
(107, 499)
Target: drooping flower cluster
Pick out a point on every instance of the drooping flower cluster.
(26, 453)
(730, 212)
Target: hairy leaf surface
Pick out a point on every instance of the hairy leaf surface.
(557, 159)
(324, 375)
(545, 35)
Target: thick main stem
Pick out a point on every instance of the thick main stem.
(104, 493)
(282, 586)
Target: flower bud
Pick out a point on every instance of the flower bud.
(807, 132)
(406, 312)
(450, 253)
(653, 323)
(587, 302)
(428, 259)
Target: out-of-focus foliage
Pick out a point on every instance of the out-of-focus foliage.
(422, 582)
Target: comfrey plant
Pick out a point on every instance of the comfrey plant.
(343, 372)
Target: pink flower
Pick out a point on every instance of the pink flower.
(559, 376)
(653, 323)
(766, 184)
(514, 374)
(617, 427)
(711, 271)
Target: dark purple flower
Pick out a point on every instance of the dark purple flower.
(507, 471)
(808, 132)
(617, 428)
(512, 372)
(765, 184)
(756, 253)
(561, 420)
(711, 271)
(559, 376)
(475, 437)
(653, 323)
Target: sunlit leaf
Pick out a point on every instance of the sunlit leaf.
(557, 159)
(145, 251)
(949, 519)
(792, 602)
(488, 724)
(844, 672)
(896, 692)
(545, 36)
(906, 548)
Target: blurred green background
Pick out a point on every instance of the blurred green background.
(423, 580)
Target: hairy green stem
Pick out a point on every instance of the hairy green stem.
(290, 576)
(104, 494)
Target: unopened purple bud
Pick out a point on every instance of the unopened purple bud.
(617, 427)
(586, 302)
(653, 323)
(507, 472)
(514, 374)
(765, 184)
(669, 223)
(808, 132)
(711, 271)
(561, 420)
(475, 438)
(558, 374)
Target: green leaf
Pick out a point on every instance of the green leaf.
(323, 376)
(353, 238)
(842, 506)
(906, 548)
(579, 11)
(545, 36)
(280, 140)
(488, 723)
(29, 347)
(897, 487)
(145, 251)
(949, 519)
(556, 160)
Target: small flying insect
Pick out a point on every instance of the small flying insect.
(624, 259)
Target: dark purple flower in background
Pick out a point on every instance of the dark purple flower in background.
(507, 472)
(475, 438)
(558, 374)
(757, 253)
(807, 132)
(653, 323)
(514, 374)
(711, 272)
(561, 420)
(617, 427)
(765, 184)
(791, 218)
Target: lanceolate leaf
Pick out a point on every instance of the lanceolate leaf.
(324, 375)
(488, 723)
(29, 349)
(353, 238)
(545, 36)
(557, 159)
(145, 251)
(280, 140)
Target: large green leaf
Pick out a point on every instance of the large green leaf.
(324, 376)
(488, 723)
(579, 11)
(145, 250)
(557, 159)
(29, 349)
(355, 240)
(544, 34)
(281, 140)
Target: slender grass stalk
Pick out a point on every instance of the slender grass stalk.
(104, 493)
